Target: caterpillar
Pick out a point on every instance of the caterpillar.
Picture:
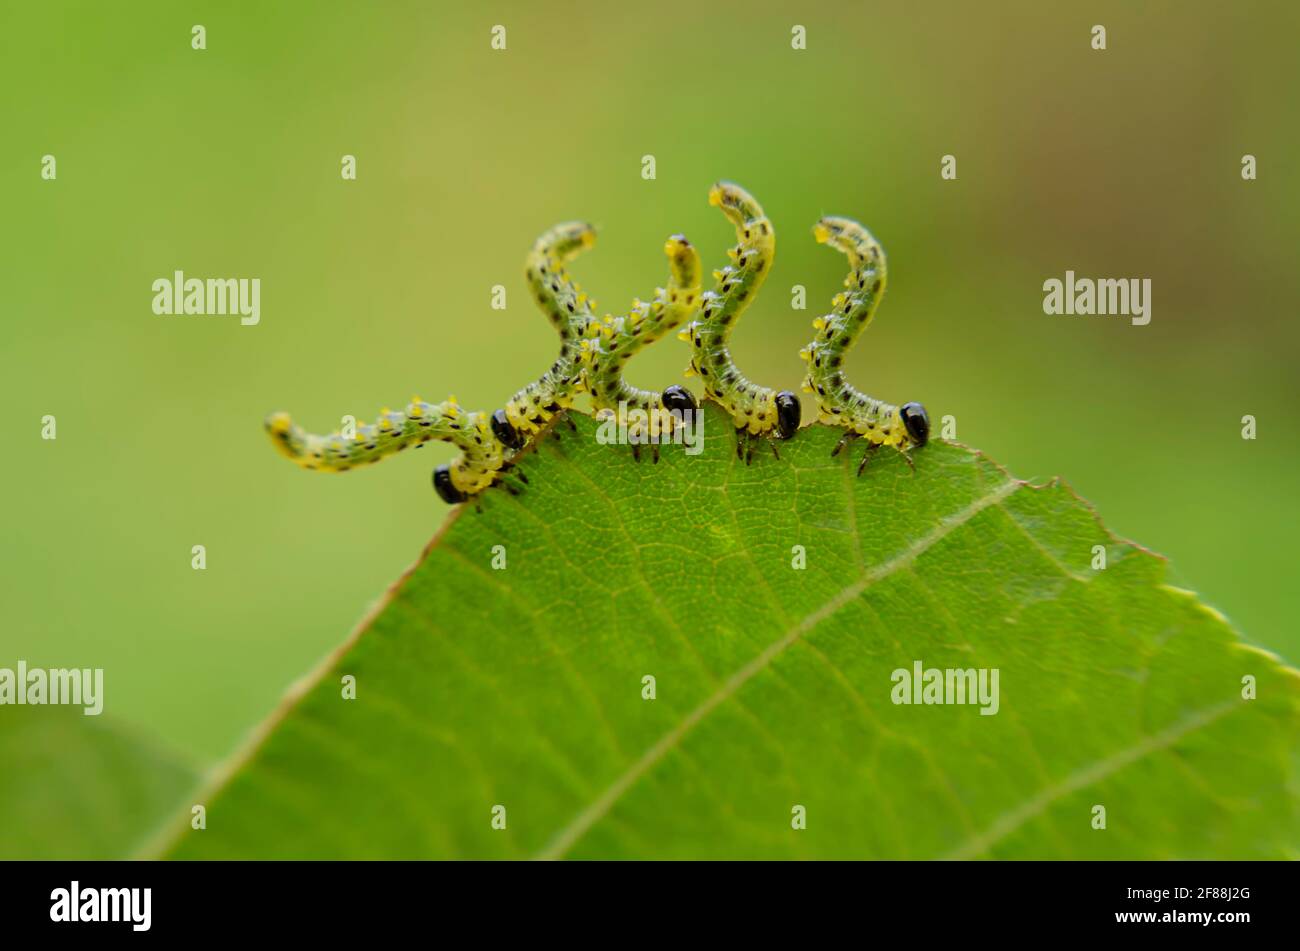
(570, 312)
(481, 463)
(615, 340)
(839, 403)
(486, 441)
(755, 410)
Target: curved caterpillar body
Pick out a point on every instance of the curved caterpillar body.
(756, 410)
(839, 403)
(481, 463)
(569, 311)
(614, 341)
(486, 441)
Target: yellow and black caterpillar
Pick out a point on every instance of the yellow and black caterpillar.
(839, 403)
(594, 352)
(615, 340)
(755, 410)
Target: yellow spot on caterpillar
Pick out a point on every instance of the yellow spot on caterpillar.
(822, 233)
(717, 275)
(819, 322)
(279, 423)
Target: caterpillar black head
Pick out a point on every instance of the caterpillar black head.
(788, 414)
(445, 488)
(917, 422)
(681, 399)
(505, 431)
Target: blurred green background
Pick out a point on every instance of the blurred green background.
(225, 163)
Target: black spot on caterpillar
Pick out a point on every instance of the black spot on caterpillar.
(839, 403)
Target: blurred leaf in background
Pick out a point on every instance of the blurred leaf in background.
(82, 787)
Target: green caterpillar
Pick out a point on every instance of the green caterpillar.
(481, 463)
(839, 403)
(755, 410)
(486, 441)
(570, 312)
(616, 340)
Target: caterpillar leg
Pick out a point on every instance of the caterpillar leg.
(844, 441)
(517, 472)
(745, 444)
(866, 456)
(654, 452)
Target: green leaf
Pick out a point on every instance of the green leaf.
(522, 687)
(80, 787)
